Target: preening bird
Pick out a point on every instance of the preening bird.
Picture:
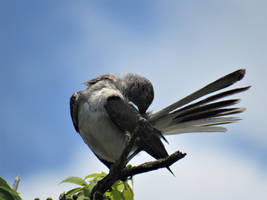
(103, 114)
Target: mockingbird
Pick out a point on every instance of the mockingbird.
(103, 114)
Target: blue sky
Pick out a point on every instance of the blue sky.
(48, 48)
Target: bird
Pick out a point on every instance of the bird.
(110, 108)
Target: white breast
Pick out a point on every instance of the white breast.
(97, 130)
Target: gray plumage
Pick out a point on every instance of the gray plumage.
(102, 113)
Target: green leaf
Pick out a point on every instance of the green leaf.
(118, 186)
(4, 183)
(87, 190)
(96, 175)
(82, 197)
(116, 195)
(128, 192)
(8, 194)
(129, 166)
(73, 191)
(5, 195)
(75, 180)
(131, 179)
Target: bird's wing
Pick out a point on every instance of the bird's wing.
(126, 118)
(74, 104)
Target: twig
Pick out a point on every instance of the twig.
(153, 165)
(16, 183)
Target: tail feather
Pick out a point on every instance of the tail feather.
(200, 115)
(201, 125)
(215, 97)
(199, 110)
(204, 115)
(231, 111)
(212, 87)
(196, 129)
(165, 120)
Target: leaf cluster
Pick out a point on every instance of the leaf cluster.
(121, 190)
(6, 192)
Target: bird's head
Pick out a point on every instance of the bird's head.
(138, 90)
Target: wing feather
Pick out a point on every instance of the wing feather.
(126, 118)
(74, 104)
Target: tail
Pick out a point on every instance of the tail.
(204, 115)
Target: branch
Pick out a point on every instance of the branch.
(153, 165)
(118, 171)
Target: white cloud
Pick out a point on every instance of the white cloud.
(203, 174)
(46, 183)
(208, 180)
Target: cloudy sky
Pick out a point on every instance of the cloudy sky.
(48, 48)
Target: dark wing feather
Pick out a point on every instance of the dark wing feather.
(212, 87)
(212, 98)
(126, 118)
(74, 103)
